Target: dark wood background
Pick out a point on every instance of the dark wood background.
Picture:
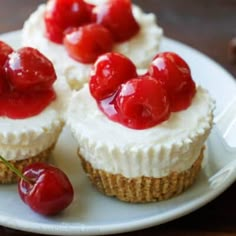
(207, 25)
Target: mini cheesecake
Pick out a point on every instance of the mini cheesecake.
(140, 48)
(141, 165)
(131, 129)
(32, 109)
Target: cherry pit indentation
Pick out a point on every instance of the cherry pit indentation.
(26, 82)
(141, 101)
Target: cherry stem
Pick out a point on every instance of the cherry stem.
(15, 170)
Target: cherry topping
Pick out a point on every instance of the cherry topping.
(117, 16)
(108, 73)
(28, 69)
(175, 75)
(27, 80)
(19, 105)
(140, 103)
(86, 43)
(48, 190)
(5, 50)
(63, 14)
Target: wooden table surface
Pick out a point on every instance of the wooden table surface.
(207, 25)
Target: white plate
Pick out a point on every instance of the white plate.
(91, 213)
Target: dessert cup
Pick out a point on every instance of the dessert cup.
(141, 165)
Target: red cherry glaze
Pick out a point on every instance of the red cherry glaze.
(5, 50)
(86, 43)
(109, 72)
(175, 75)
(63, 14)
(28, 69)
(49, 190)
(117, 16)
(20, 105)
(139, 104)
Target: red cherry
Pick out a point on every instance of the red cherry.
(63, 14)
(91, 10)
(28, 69)
(142, 102)
(86, 43)
(5, 50)
(117, 16)
(48, 190)
(175, 75)
(139, 104)
(109, 72)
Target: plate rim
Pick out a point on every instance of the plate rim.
(35, 227)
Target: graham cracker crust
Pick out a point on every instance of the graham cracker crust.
(142, 189)
(8, 177)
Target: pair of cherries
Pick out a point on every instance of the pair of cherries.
(140, 102)
(26, 82)
(88, 30)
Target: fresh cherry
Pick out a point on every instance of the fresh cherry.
(63, 14)
(175, 75)
(29, 70)
(108, 73)
(45, 188)
(86, 43)
(5, 50)
(117, 16)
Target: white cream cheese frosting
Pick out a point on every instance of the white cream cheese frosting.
(140, 49)
(155, 152)
(24, 138)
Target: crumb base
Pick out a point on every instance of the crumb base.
(142, 189)
(8, 177)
